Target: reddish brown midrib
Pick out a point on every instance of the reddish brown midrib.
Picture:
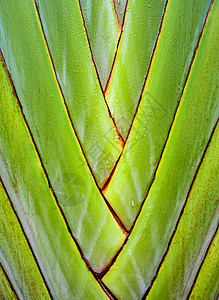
(106, 185)
(117, 16)
(115, 216)
(112, 68)
(116, 54)
(105, 271)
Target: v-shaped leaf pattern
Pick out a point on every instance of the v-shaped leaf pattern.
(108, 133)
(103, 33)
(79, 84)
(140, 30)
(137, 264)
(68, 173)
(161, 95)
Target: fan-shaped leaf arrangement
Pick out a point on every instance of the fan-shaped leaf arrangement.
(109, 141)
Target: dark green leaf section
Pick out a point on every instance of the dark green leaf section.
(196, 117)
(194, 233)
(16, 257)
(206, 286)
(138, 39)
(103, 33)
(60, 262)
(120, 6)
(178, 39)
(6, 292)
(28, 62)
(72, 59)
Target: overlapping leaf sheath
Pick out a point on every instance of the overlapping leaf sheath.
(206, 286)
(196, 117)
(81, 201)
(60, 149)
(196, 228)
(60, 262)
(16, 257)
(5, 287)
(75, 71)
(103, 33)
(46, 115)
(139, 35)
(177, 42)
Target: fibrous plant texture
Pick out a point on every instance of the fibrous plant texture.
(109, 145)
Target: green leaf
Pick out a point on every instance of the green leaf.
(103, 33)
(16, 257)
(196, 117)
(167, 76)
(77, 194)
(206, 286)
(139, 35)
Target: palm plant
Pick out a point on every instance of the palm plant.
(109, 140)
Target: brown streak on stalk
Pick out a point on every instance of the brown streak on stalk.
(180, 215)
(98, 77)
(117, 16)
(206, 253)
(116, 54)
(9, 281)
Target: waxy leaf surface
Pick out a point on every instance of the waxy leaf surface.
(194, 233)
(15, 255)
(61, 264)
(75, 71)
(177, 42)
(141, 27)
(135, 267)
(5, 288)
(76, 192)
(206, 286)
